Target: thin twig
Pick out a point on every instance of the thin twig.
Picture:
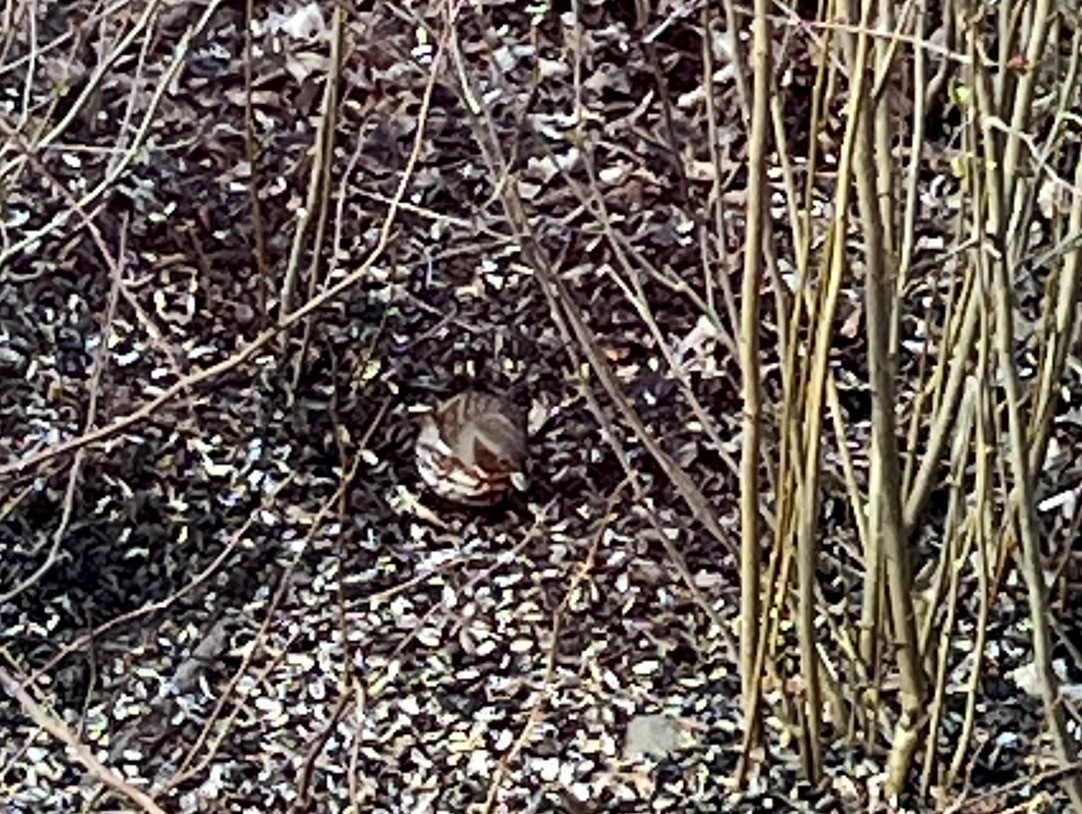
(55, 727)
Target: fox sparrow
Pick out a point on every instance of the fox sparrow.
(471, 450)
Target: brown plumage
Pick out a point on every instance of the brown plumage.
(472, 449)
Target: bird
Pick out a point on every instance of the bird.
(472, 449)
